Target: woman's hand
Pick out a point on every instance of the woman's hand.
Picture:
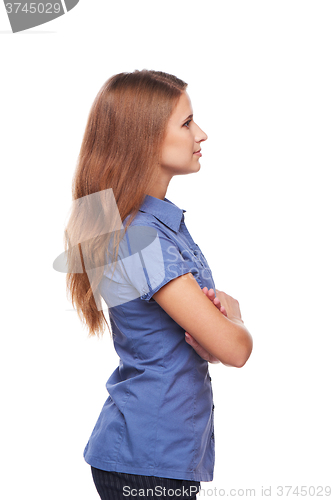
(192, 342)
(230, 305)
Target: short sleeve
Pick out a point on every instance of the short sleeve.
(150, 259)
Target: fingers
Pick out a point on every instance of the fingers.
(190, 340)
(216, 301)
(210, 293)
(223, 311)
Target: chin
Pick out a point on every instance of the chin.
(190, 169)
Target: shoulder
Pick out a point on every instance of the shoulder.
(144, 219)
(147, 224)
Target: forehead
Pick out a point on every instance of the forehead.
(182, 109)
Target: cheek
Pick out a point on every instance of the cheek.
(184, 150)
(185, 145)
(177, 149)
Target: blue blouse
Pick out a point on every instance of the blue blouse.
(158, 417)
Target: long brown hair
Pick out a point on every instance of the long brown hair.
(121, 149)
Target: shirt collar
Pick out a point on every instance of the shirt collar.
(164, 210)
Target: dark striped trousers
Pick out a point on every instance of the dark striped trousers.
(121, 486)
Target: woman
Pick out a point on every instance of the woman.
(156, 427)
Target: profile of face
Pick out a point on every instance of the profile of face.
(182, 143)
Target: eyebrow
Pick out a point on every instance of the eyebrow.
(189, 116)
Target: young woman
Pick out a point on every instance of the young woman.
(155, 433)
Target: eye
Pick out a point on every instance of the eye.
(186, 124)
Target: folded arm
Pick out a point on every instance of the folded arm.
(224, 337)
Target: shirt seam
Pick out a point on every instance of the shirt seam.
(194, 430)
(128, 389)
(161, 384)
(191, 471)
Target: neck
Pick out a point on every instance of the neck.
(160, 188)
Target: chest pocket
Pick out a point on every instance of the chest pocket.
(199, 266)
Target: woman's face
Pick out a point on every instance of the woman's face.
(182, 143)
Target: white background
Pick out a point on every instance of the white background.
(260, 80)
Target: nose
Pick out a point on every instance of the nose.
(200, 135)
